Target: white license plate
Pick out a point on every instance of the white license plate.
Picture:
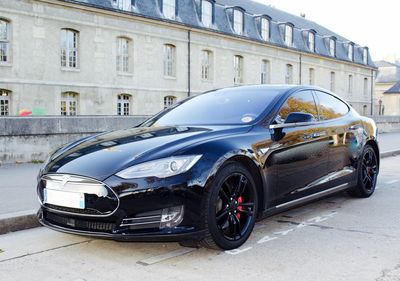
(64, 198)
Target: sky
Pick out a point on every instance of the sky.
(368, 23)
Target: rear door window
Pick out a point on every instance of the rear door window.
(330, 107)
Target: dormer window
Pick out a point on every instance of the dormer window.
(311, 41)
(288, 35)
(350, 52)
(265, 26)
(125, 5)
(169, 9)
(207, 13)
(238, 20)
(365, 55)
(332, 47)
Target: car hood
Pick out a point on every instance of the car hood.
(102, 155)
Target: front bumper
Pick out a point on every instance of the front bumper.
(140, 202)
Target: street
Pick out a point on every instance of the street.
(338, 238)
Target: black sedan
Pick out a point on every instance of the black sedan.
(204, 170)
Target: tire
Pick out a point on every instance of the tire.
(230, 208)
(368, 169)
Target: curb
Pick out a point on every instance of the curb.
(12, 222)
(390, 153)
(18, 221)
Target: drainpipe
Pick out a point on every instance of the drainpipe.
(300, 61)
(188, 62)
(372, 93)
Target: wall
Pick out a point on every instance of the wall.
(32, 138)
(387, 124)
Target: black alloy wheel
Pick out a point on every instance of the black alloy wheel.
(367, 174)
(232, 208)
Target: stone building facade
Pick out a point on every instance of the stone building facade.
(109, 57)
(387, 90)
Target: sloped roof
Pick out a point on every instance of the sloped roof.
(387, 72)
(394, 90)
(188, 13)
(384, 63)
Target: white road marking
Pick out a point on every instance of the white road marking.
(284, 233)
(238, 251)
(391, 182)
(266, 239)
(166, 256)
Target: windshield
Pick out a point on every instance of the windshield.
(241, 105)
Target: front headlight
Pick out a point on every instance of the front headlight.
(160, 168)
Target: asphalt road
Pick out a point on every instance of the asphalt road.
(338, 238)
(18, 181)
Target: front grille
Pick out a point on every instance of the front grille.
(73, 210)
(79, 223)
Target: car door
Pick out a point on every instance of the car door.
(299, 153)
(345, 133)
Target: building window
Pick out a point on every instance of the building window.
(288, 35)
(333, 81)
(238, 17)
(311, 76)
(5, 96)
(69, 48)
(125, 5)
(332, 47)
(168, 101)
(350, 52)
(206, 65)
(365, 55)
(4, 41)
(238, 69)
(289, 74)
(69, 104)
(124, 104)
(265, 29)
(206, 13)
(350, 89)
(265, 72)
(169, 9)
(169, 60)
(366, 91)
(311, 41)
(123, 54)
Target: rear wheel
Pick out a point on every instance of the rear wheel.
(231, 208)
(367, 174)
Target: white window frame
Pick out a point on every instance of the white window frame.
(238, 67)
(238, 21)
(365, 55)
(169, 60)
(289, 74)
(311, 76)
(207, 13)
(5, 102)
(332, 47)
(169, 9)
(69, 48)
(265, 28)
(124, 104)
(265, 72)
(333, 81)
(311, 41)
(168, 101)
(350, 52)
(124, 54)
(69, 103)
(288, 35)
(5, 41)
(125, 5)
(207, 65)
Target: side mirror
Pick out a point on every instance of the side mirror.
(299, 117)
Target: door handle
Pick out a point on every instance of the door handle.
(315, 135)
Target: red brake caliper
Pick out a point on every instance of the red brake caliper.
(239, 208)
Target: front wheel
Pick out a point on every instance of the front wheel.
(367, 174)
(231, 208)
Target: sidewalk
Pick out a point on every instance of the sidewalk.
(18, 181)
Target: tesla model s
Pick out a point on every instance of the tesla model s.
(204, 170)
